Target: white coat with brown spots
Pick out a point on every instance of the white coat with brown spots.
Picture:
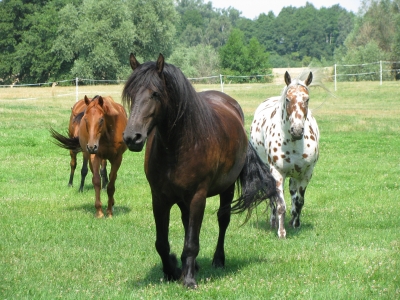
(286, 137)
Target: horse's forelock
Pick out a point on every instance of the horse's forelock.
(146, 76)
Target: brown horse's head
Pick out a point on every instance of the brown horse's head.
(94, 123)
(145, 101)
(297, 97)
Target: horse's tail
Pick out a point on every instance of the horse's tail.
(65, 141)
(256, 184)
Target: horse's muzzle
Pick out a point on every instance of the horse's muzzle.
(134, 142)
(296, 133)
(92, 149)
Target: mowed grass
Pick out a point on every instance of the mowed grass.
(348, 247)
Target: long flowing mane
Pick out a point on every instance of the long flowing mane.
(187, 113)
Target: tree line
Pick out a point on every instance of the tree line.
(44, 41)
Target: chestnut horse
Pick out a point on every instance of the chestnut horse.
(99, 138)
(197, 147)
(77, 112)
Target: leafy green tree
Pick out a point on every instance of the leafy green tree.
(375, 36)
(239, 58)
(197, 61)
(27, 29)
(217, 31)
(98, 35)
(154, 23)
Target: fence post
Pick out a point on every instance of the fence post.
(380, 62)
(335, 77)
(222, 84)
(76, 88)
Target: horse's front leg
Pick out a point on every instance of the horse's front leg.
(297, 191)
(161, 212)
(115, 164)
(224, 218)
(192, 244)
(103, 173)
(94, 167)
(278, 212)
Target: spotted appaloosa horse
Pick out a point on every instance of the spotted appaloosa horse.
(285, 136)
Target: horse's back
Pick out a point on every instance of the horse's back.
(76, 112)
(221, 100)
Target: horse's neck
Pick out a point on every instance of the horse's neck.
(281, 114)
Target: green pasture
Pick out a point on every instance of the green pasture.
(52, 247)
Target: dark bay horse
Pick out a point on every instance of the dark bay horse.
(100, 138)
(197, 147)
(77, 112)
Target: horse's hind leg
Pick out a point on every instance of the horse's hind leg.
(84, 170)
(73, 167)
(224, 218)
(161, 212)
(297, 192)
(103, 173)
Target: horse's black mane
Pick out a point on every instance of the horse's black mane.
(186, 112)
(78, 117)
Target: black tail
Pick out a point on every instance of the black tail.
(65, 141)
(256, 184)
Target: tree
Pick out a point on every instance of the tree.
(27, 29)
(237, 58)
(375, 36)
(197, 61)
(98, 35)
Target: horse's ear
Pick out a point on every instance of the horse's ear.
(133, 61)
(100, 101)
(309, 79)
(108, 107)
(160, 63)
(87, 101)
(288, 80)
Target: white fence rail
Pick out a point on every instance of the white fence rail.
(375, 71)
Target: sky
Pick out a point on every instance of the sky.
(253, 8)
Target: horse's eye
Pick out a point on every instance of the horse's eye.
(101, 121)
(155, 96)
(287, 100)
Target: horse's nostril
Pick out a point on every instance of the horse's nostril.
(138, 137)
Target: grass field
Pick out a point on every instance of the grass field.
(348, 247)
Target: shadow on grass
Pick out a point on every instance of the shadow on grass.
(88, 208)
(263, 224)
(206, 273)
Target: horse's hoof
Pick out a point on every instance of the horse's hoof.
(295, 223)
(282, 234)
(218, 263)
(190, 283)
(99, 215)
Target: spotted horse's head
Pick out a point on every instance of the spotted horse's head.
(296, 104)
